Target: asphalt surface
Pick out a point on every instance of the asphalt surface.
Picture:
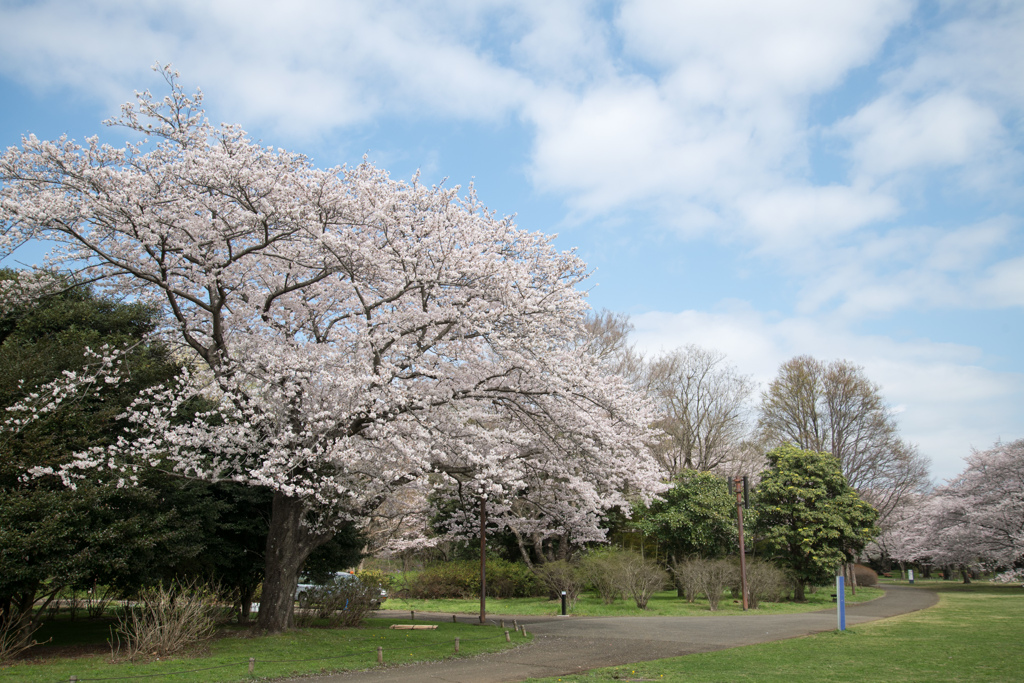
(566, 645)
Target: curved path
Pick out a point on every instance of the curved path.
(570, 645)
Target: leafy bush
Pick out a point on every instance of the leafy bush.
(376, 577)
(601, 570)
(344, 603)
(511, 580)
(865, 576)
(562, 576)
(462, 580)
(164, 621)
(765, 583)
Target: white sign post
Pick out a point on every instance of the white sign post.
(841, 602)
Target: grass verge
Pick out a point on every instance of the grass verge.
(296, 653)
(664, 604)
(973, 634)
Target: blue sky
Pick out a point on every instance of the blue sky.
(767, 178)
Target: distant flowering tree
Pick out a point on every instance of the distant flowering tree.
(354, 335)
(990, 498)
(976, 520)
(904, 536)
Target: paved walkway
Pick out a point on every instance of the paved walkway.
(570, 645)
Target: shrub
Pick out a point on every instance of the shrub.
(865, 576)
(462, 580)
(164, 621)
(765, 583)
(511, 580)
(16, 632)
(641, 577)
(343, 603)
(713, 577)
(560, 576)
(601, 569)
(684, 577)
(376, 577)
(1009, 576)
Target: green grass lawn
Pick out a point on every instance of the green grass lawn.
(973, 634)
(664, 604)
(299, 652)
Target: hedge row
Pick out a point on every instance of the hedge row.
(461, 579)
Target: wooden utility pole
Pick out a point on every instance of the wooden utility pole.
(738, 481)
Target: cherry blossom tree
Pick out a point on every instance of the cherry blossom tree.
(903, 537)
(353, 335)
(990, 496)
(976, 520)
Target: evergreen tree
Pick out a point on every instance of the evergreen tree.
(809, 517)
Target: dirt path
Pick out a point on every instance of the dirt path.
(570, 645)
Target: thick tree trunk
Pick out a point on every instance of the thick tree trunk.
(289, 543)
(798, 592)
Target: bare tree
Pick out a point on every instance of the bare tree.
(833, 407)
(607, 334)
(705, 410)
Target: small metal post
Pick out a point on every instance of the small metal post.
(456, 646)
(453, 618)
(412, 615)
(380, 654)
(563, 603)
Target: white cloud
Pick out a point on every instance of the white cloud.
(948, 401)
(303, 68)
(891, 135)
(807, 215)
(977, 51)
(1003, 283)
(558, 42)
(759, 50)
(921, 268)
